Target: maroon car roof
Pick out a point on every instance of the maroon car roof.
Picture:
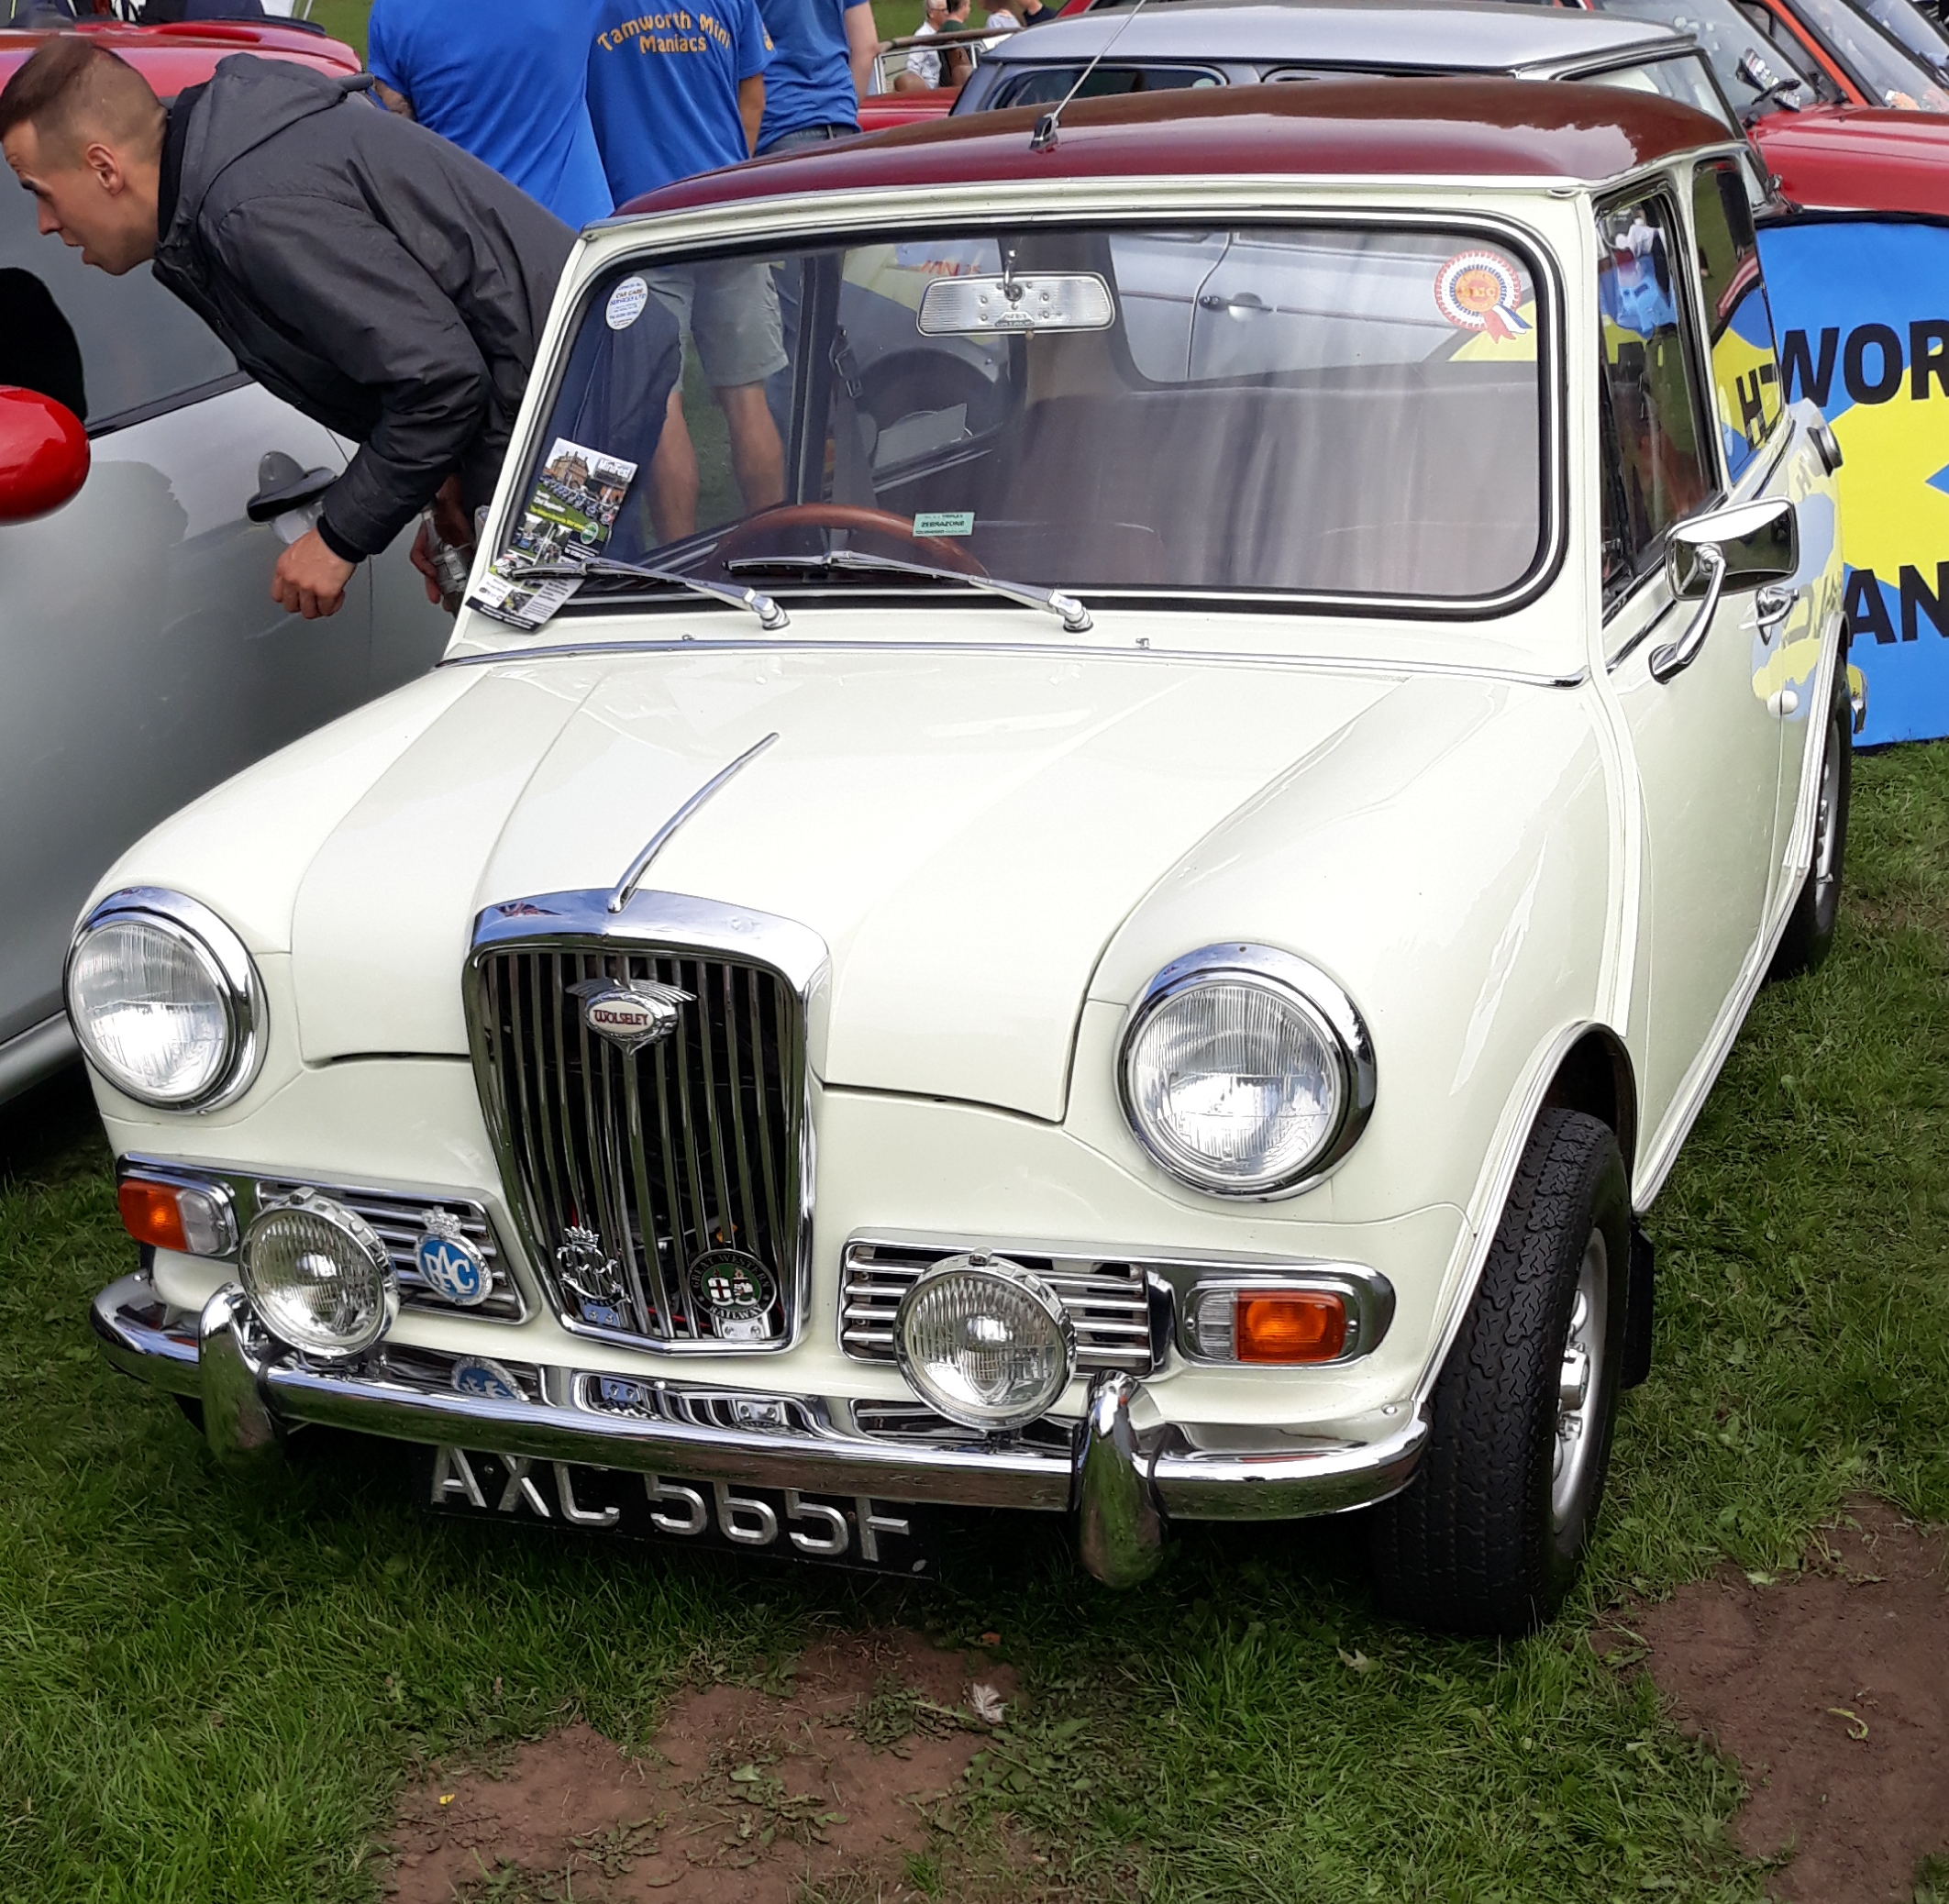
(1424, 128)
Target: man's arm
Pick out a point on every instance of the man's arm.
(751, 107)
(394, 101)
(862, 44)
(340, 282)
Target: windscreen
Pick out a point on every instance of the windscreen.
(1321, 411)
(1883, 70)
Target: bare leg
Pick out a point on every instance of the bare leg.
(673, 476)
(756, 455)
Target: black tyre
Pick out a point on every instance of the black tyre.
(1809, 934)
(191, 1407)
(1491, 1533)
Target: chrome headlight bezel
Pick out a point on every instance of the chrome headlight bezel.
(1299, 984)
(232, 971)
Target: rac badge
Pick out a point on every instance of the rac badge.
(734, 1292)
(453, 1267)
(631, 1012)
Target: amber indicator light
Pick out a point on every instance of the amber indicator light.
(149, 1213)
(1289, 1325)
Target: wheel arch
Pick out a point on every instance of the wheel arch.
(1595, 1076)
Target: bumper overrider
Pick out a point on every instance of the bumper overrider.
(1123, 1483)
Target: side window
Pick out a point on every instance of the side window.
(1739, 322)
(105, 347)
(1656, 468)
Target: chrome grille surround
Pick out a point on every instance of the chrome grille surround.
(624, 1169)
(1121, 1311)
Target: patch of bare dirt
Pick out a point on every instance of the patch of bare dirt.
(746, 1795)
(1831, 1689)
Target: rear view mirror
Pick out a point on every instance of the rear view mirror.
(1755, 543)
(1745, 546)
(43, 454)
(991, 306)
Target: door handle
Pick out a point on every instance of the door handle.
(1783, 703)
(283, 484)
(1771, 605)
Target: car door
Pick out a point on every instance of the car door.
(1707, 747)
(144, 659)
(1764, 456)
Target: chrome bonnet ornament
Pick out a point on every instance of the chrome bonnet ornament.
(631, 1012)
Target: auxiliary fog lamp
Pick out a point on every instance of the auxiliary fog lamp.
(984, 1341)
(318, 1276)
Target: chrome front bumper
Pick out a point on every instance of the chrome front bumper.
(1123, 1484)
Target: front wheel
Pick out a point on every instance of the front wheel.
(1491, 1533)
(1809, 934)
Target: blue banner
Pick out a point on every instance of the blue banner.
(1861, 309)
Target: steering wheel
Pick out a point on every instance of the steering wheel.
(738, 542)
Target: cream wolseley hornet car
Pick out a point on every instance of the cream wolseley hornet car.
(1110, 911)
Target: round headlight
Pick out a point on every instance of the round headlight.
(1245, 1071)
(318, 1276)
(165, 1000)
(984, 1343)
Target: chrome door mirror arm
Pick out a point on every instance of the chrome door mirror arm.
(1673, 657)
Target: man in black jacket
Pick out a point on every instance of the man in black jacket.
(359, 266)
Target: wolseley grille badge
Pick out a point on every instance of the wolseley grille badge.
(631, 1012)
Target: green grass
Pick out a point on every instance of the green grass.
(210, 1688)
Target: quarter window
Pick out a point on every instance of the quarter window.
(1738, 319)
(1655, 470)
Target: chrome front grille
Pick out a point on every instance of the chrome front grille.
(400, 1221)
(660, 1191)
(1109, 1301)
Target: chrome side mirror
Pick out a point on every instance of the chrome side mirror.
(1742, 548)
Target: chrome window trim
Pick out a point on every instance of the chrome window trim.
(649, 921)
(246, 1014)
(1168, 202)
(1368, 1296)
(1320, 994)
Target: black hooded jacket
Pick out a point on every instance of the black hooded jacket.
(364, 270)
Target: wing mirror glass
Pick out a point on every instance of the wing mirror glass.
(1756, 543)
(43, 454)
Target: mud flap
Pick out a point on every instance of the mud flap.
(1638, 1309)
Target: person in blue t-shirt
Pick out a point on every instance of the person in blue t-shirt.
(477, 72)
(823, 53)
(672, 94)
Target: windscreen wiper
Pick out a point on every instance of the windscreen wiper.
(771, 617)
(1074, 616)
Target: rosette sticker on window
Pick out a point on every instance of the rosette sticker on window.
(1483, 291)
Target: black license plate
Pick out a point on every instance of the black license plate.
(831, 1530)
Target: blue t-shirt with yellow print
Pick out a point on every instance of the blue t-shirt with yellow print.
(663, 83)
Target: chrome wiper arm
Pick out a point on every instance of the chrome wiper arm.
(1074, 616)
(771, 617)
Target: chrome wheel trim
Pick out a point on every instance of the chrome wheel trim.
(1580, 1382)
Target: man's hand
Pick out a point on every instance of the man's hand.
(309, 580)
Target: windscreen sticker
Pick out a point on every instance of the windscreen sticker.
(626, 304)
(1481, 290)
(945, 522)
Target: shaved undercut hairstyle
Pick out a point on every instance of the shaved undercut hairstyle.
(74, 93)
